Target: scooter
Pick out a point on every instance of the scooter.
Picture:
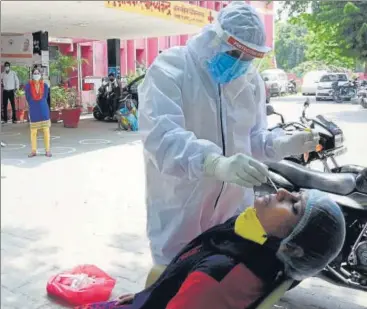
(102, 108)
(130, 91)
(347, 185)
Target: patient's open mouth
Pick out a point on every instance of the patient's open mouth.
(267, 199)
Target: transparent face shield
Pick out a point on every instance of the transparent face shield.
(230, 59)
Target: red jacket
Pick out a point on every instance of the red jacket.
(217, 270)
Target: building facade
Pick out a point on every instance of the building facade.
(141, 51)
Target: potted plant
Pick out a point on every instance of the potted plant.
(62, 66)
(23, 76)
(70, 114)
(21, 104)
(58, 101)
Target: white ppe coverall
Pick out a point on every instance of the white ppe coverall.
(184, 116)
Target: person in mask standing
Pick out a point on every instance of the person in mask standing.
(114, 93)
(203, 120)
(10, 84)
(36, 92)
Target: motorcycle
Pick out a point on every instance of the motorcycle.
(292, 87)
(331, 140)
(103, 106)
(347, 185)
(344, 92)
(105, 101)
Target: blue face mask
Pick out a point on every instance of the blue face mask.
(225, 68)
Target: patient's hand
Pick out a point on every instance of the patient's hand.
(125, 299)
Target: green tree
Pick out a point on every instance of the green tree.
(323, 45)
(342, 22)
(290, 46)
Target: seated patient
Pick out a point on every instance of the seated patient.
(233, 264)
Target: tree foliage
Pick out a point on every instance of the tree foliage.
(62, 65)
(342, 22)
(268, 62)
(323, 44)
(290, 45)
(22, 73)
(308, 66)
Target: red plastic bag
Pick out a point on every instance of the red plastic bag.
(82, 285)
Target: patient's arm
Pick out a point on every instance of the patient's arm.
(125, 299)
(216, 283)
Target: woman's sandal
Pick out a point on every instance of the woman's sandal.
(32, 154)
(48, 154)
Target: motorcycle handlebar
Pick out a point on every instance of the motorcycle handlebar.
(296, 125)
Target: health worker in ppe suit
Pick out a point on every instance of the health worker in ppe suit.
(203, 118)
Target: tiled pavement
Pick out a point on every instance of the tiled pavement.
(86, 205)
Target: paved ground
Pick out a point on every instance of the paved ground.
(80, 207)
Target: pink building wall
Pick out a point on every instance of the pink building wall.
(145, 50)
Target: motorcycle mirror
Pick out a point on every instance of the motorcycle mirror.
(305, 106)
(269, 110)
(307, 103)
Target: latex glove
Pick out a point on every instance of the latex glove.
(297, 143)
(239, 169)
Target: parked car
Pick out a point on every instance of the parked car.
(276, 80)
(324, 86)
(310, 80)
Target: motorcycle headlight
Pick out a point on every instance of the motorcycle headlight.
(339, 140)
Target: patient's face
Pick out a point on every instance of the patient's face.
(279, 213)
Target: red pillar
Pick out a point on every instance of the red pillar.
(130, 50)
(210, 5)
(152, 50)
(183, 39)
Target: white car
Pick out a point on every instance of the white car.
(324, 85)
(276, 80)
(310, 80)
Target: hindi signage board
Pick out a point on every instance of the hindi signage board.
(170, 10)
